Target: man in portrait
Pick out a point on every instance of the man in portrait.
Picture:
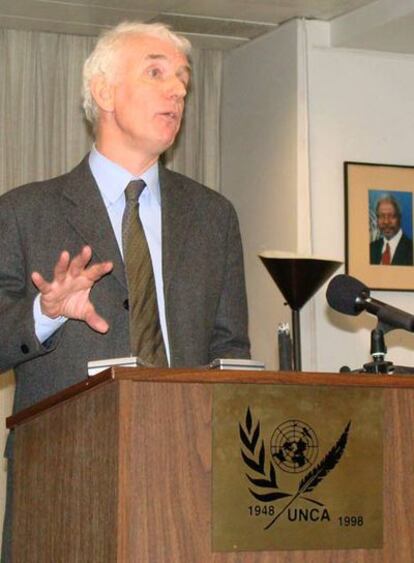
(393, 247)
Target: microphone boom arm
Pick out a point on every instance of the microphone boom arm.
(388, 315)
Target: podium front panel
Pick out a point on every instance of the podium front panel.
(123, 473)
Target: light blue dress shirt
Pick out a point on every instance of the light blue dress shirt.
(112, 180)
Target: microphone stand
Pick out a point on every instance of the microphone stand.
(378, 351)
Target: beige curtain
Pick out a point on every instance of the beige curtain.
(197, 151)
(43, 132)
(41, 124)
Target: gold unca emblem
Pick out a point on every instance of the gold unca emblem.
(293, 449)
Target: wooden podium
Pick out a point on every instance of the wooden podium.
(118, 469)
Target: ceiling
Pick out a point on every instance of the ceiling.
(224, 24)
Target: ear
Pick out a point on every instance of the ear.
(102, 92)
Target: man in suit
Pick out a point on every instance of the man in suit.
(393, 247)
(64, 297)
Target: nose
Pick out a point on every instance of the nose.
(386, 219)
(176, 88)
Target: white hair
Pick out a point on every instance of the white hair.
(101, 60)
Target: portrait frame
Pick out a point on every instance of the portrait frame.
(365, 184)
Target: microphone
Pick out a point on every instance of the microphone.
(350, 296)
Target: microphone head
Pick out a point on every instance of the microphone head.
(343, 292)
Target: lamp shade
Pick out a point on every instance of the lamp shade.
(298, 277)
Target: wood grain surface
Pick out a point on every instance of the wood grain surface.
(214, 376)
(65, 482)
(122, 473)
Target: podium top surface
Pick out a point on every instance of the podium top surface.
(204, 376)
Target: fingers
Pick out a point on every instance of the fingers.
(40, 282)
(59, 273)
(61, 267)
(78, 265)
(95, 321)
(74, 267)
(97, 271)
(80, 261)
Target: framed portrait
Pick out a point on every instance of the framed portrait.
(379, 225)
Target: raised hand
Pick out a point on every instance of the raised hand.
(68, 293)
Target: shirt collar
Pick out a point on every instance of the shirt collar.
(112, 179)
(394, 241)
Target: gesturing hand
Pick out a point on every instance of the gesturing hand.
(68, 293)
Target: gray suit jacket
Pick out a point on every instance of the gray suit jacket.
(202, 268)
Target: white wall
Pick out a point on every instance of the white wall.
(259, 167)
(361, 107)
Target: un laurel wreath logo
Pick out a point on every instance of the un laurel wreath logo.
(294, 448)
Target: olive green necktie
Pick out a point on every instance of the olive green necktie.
(144, 323)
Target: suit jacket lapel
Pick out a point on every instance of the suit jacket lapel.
(176, 218)
(84, 209)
